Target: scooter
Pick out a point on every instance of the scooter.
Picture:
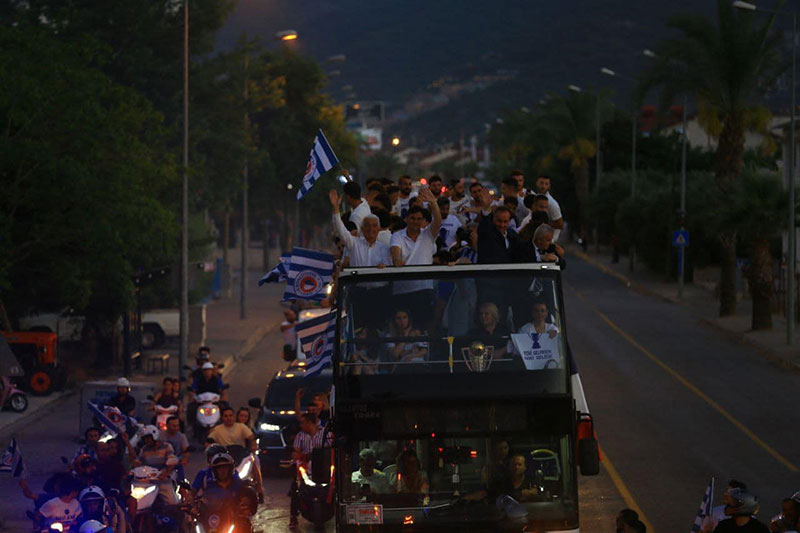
(144, 489)
(162, 414)
(315, 490)
(246, 463)
(207, 415)
(11, 396)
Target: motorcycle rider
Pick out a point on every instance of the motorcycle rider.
(206, 474)
(158, 454)
(743, 507)
(207, 381)
(91, 437)
(123, 400)
(64, 508)
(95, 506)
(224, 484)
(84, 469)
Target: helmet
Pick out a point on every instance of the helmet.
(207, 366)
(744, 503)
(82, 462)
(150, 430)
(221, 459)
(92, 492)
(213, 450)
(92, 526)
(123, 382)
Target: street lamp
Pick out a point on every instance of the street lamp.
(792, 241)
(609, 72)
(286, 35)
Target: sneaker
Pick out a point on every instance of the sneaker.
(293, 522)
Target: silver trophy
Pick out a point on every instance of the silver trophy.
(478, 356)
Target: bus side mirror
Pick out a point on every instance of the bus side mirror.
(588, 448)
(255, 403)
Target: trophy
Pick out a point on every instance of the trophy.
(478, 356)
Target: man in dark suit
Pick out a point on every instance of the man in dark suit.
(540, 249)
(496, 243)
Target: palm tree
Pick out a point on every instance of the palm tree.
(757, 206)
(569, 123)
(728, 66)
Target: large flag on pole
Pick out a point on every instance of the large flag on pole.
(705, 507)
(321, 160)
(279, 273)
(316, 337)
(112, 418)
(11, 460)
(309, 273)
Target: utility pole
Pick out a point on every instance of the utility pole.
(245, 170)
(633, 181)
(682, 213)
(598, 170)
(184, 311)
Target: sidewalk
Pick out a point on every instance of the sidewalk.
(228, 336)
(704, 303)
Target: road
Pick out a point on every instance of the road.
(674, 402)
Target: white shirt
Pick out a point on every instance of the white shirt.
(378, 483)
(401, 206)
(57, 511)
(358, 214)
(385, 236)
(419, 252)
(289, 334)
(456, 205)
(448, 229)
(553, 213)
(360, 252)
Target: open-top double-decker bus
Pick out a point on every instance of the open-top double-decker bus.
(457, 404)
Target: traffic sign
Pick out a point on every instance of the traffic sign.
(680, 238)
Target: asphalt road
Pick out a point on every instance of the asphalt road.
(676, 403)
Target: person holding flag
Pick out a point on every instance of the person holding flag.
(712, 518)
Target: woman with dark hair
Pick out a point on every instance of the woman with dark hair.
(243, 417)
(402, 325)
(410, 477)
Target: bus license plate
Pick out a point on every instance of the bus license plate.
(364, 513)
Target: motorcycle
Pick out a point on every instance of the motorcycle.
(213, 513)
(315, 489)
(150, 515)
(11, 396)
(162, 414)
(207, 415)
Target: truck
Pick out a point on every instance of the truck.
(157, 325)
(467, 414)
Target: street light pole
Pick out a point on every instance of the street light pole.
(184, 311)
(597, 169)
(245, 203)
(682, 249)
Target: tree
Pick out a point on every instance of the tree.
(757, 206)
(88, 187)
(728, 66)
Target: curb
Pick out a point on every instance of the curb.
(250, 343)
(53, 399)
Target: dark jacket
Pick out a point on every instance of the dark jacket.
(491, 244)
(526, 253)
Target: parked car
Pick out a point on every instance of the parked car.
(158, 324)
(276, 424)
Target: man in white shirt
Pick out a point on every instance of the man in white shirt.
(416, 246)
(359, 206)
(364, 251)
(553, 209)
(368, 475)
(401, 206)
(450, 223)
(458, 198)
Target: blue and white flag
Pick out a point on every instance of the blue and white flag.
(705, 507)
(112, 418)
(316, 337)
(279, 273)
(11, 460)
(321, 160)
(309, 272)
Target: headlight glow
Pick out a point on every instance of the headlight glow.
(141, 492)
(245, 469)
(269, 427)
(58, 526)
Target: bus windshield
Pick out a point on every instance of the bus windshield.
(441, 481)
(444, 322)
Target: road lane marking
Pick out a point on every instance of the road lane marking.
(685, 382)
(623, 489)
